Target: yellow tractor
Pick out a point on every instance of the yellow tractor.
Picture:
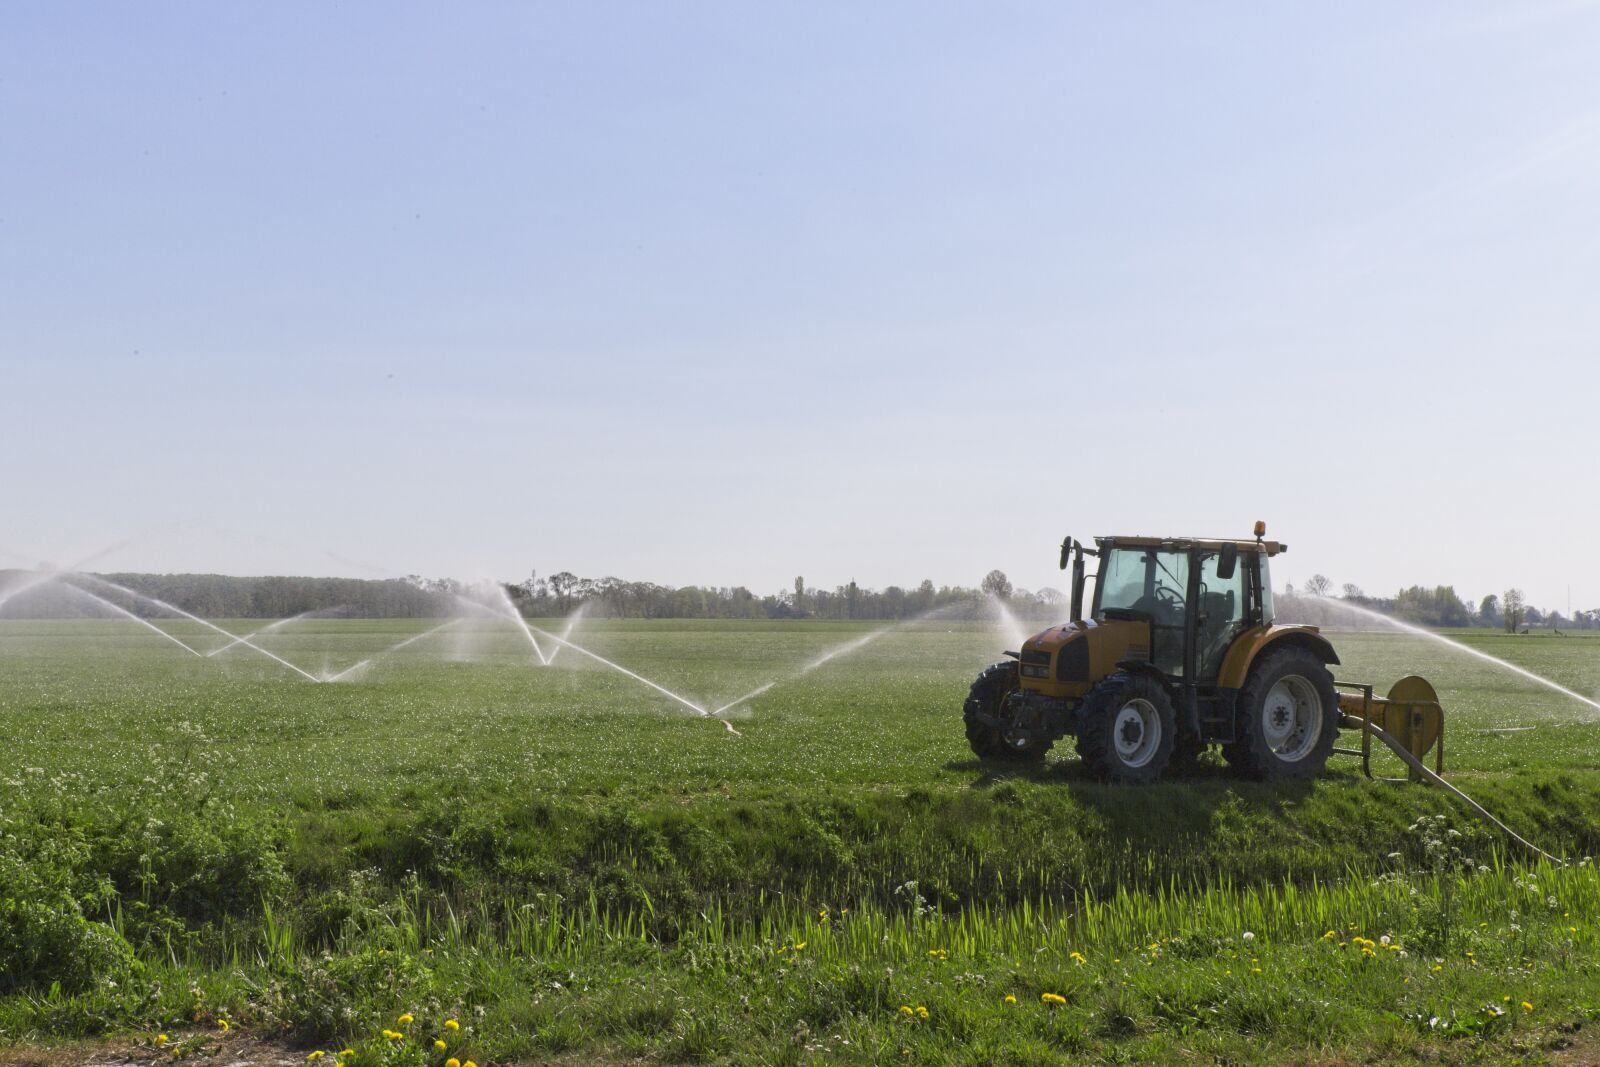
(1178, 652)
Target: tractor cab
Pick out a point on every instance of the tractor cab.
(1177, 652)
(1194, 596)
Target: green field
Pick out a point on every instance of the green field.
(565, 859)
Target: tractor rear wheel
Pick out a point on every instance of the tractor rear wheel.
(1288, 717)
(987, 700)
(1127, 729)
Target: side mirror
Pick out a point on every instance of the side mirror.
(1066, 552)
(1227, 562)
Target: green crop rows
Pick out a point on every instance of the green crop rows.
(561, 858)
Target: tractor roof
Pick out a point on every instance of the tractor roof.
(1271, 548)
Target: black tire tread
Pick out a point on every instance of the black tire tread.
(985, 740)
(1250, 756)
(1097, 717)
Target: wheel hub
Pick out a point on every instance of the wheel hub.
(1136, 733)
(1291, 718)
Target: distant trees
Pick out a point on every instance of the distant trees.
(996, 584)
(277, 597)
(1318, 585)
(563, 585)
(1439, 606)
(1512, 609)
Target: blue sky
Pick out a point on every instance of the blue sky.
(729, 293)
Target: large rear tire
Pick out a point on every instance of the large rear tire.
(988, 698)
(1127, 729)
(1288, 718)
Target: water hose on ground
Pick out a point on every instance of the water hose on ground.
(1433, 779)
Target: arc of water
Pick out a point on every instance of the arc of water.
(43, 576)
(510, 611)
(195, 618)
(563, 642)
(730, 705)
(392, 648)
(26, 584)
(264, 630)
(1468, 649)
(566, 631)
(1009, 623)
(504, 609)
(855, 644)
(120, 610)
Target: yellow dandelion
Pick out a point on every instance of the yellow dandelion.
(1052, 998)
(1077, 957)
(161, 1039)
(905, 1009)
(440, 1045)
(922, 1013)
(347, 1052)
(406, 1019)
(223, 1025)
(315, 1056)
(1010, 999)
(1437, 967)
(469, 1063)
(451, 1024)
(452, 1062)
(1526, 1006)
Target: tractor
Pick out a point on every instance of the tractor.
(1178, 652)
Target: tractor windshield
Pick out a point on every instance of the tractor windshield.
(1148, 580)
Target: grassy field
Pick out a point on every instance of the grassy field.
(561, 858)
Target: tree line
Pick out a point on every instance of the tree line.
(277, 597)
(561, 593)
(1438, 605)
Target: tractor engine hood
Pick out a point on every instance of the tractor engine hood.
(1065, 660)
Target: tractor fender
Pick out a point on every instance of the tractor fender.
(1248, 646)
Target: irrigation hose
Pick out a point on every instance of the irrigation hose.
(1429, 776)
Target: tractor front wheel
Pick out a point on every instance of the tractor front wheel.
(1288, 717)
(987, 701)
(1127, 729)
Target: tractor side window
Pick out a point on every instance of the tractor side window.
(1222, 614)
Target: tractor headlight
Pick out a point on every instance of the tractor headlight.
(1035, 664)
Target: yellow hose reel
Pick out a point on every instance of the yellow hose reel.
(1410, 714)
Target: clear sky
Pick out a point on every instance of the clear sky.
(726, 293)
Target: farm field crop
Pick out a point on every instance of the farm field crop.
(563, 858)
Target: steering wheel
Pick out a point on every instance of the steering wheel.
(1163, 606)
